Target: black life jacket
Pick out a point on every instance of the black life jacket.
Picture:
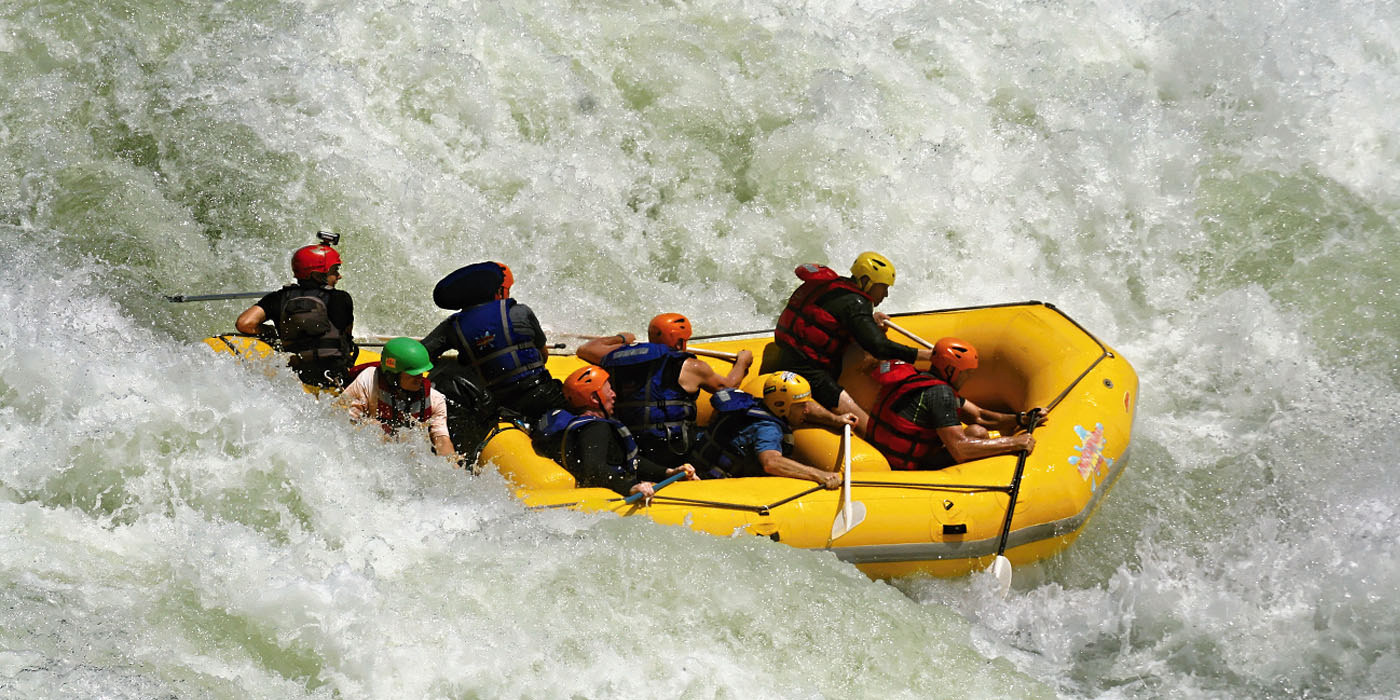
(304, 325)
(550, 436)
(807, 327)
(472, 412)
(735, 410)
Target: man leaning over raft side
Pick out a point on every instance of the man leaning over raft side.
(747, 437)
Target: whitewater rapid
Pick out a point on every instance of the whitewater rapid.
(1211, 188)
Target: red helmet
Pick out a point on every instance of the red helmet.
(584, 388)
(671, 330)
(951, 358)
(313, 258)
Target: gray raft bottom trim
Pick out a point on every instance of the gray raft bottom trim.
(973, 549)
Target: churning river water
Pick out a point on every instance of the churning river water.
(1211, 187)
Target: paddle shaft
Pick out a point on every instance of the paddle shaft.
(720, 354)
(908, 334)
(378, 341)
(851, 513)
(664, 483)
(846, 475)
(1015, 489)
(181, 298)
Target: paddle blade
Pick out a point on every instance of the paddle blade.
(851, 513)
(844, 524)
(1001, 570)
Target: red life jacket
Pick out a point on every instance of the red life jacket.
(396, 408)
(904, 443)
(807, 327)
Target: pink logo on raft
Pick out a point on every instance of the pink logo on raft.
(1091, 462)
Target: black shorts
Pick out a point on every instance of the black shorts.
(825, 390)
(325, 376)
(940, 459)
(667, 453)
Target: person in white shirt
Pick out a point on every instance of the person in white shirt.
(397, 394)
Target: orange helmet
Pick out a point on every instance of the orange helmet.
(313, 258)
(952, 358)
(507, 281)
(671, 330)
(584, 387)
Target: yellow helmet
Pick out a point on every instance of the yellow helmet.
(876, 268)
(783, 391)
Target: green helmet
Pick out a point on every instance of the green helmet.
(406, 356)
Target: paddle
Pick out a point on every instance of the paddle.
(181, 298)
(579, 336)
(851, 513)
(908, 334)
(1001, 566)
(378, 341)
(719, 354)
(663, 484)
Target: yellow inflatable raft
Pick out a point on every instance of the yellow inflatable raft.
(944, 523)
(250, 349)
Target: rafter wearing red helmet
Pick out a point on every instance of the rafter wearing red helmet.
(311, 319)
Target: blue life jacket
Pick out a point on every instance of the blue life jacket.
(715, 454)
(650, 400)
(552, 438)
(487, 342)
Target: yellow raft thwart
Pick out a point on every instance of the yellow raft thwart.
(945, 523)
